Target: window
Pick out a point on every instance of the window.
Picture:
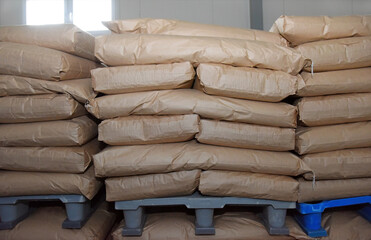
(86, 14)
(89, 14)
(44, 12)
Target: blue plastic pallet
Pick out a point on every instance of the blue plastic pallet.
(274, 213)
(309, 216)
(78, 208)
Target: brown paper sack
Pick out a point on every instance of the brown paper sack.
(188, 101)
(43, 63)
(45, 224)
(152, 185)
(64, 37)
(342, 108)
(161, 158)
(148, 129)
(20, 109)
(49, 159)
(301, 29)
(63, 133)
(79, 89)
(176, 27)
(244, 135)
(139, 78)
(14, 183)
(348, 163)
(332, 189)
(252, 185)
(132, 49)
(334, 82)
(333, 137)
(246, 83)
(337, 54)
(179, 225)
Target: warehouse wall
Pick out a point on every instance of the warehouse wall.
(272, 9)
(11, 12)
(224, 12)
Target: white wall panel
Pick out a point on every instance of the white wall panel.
(127, 9)
(272, 9)
(233, 13)
(318, 7)
(11, 12)
(362, 7)
(189, 10)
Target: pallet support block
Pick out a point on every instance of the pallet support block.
(134, 222)
(204, 221)
(311, 224)
(274, 213)
(309, 216)
(16, 208)
(12, 214)
(274, 221)
(366, 212)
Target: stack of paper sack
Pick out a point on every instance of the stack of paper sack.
(152, 119)
(334, 138)
(47, 138)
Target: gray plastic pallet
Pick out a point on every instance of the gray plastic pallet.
(274, 213)
(16, 208)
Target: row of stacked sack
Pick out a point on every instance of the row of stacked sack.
(238, 110)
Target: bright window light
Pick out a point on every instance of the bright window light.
(39, 12)
(89, 14)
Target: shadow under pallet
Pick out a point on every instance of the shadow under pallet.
(309, 215)
(14, 209)
(274, 213)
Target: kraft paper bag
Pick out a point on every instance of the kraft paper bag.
(45, 223)
(37, 108)
(176, 27)
(49, 159)
(63, 37)
(244, 135)
(332, 189)
(334, 82)
(132, 49)
(246, 83)
(134, 130)
(252, 185)
(334, 109)
(62, 133)
(79, 89)
(191, 101)
(139, 78)
(337, 54)
(348, 163)
(301, 29)
(332, 137)
(14, 183)
(160, 158)
(43, 63)
(152, 185)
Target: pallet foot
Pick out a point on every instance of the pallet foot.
(78, 209)
(366, 212)
(11, 215)
(274, 221)
(134, 222)
(204, 222)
